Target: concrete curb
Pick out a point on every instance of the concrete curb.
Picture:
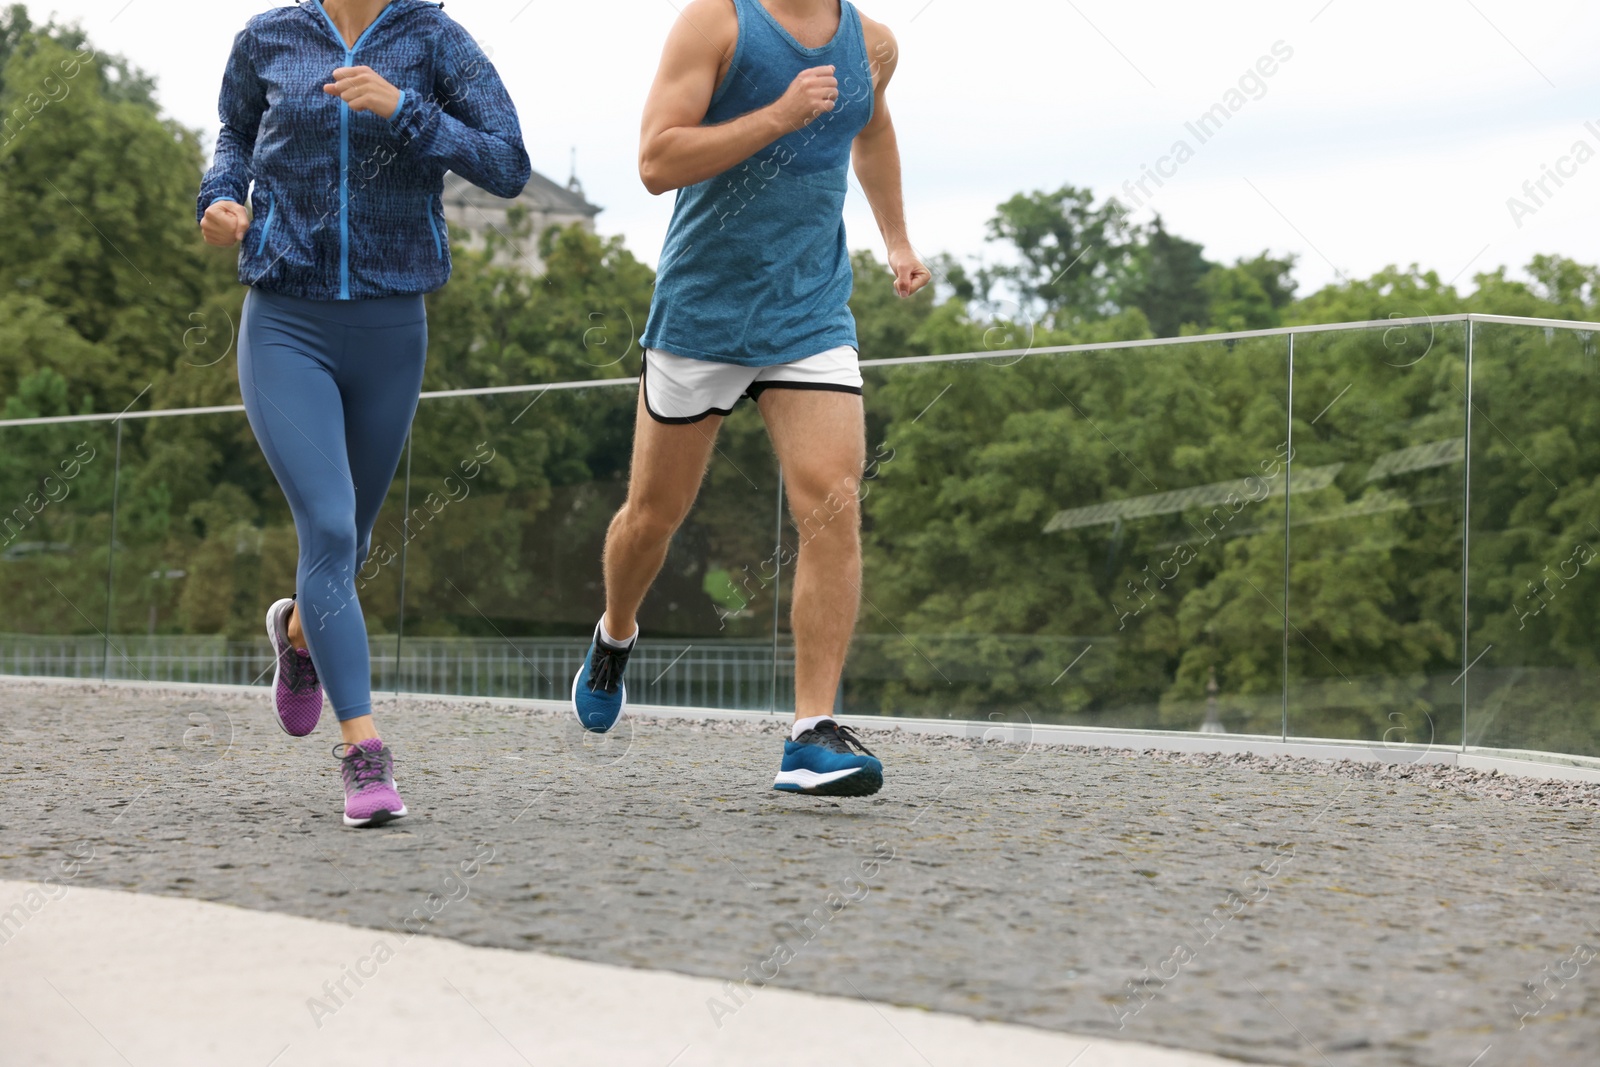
(1513, 762)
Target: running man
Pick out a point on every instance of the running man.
(754, 116)
(346, 235)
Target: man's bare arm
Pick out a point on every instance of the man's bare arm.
(675, 150)
(877, 163)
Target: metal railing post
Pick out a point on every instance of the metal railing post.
(111, 555)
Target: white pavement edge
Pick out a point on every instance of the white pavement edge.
(94, 976)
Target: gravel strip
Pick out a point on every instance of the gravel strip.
(1273, 909)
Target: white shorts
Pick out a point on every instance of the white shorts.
(678, 389)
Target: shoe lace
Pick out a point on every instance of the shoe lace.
(302, 672)
(836, 738)
(363, 768)
(605, 673)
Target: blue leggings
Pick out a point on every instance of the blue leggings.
(330, 388)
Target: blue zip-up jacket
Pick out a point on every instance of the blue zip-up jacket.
(347, 204)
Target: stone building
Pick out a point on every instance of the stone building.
(468, 208)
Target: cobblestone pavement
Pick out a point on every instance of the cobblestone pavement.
(1284, 911)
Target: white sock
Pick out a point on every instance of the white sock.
(605, 635)
(802, 725)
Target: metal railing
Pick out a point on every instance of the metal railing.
(725, 674)
(867, 365)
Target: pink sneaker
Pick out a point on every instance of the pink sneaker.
(296, 690)
(370, 798)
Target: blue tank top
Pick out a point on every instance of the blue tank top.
(755, 270)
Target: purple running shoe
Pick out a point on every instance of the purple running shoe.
(370, 798)
(296, 690)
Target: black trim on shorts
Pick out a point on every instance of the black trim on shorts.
(644, 366)
(757, 388)
(753, 392)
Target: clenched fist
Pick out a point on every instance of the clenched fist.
(364, 89)
(910, 276)
(224, 224)
(813, 93)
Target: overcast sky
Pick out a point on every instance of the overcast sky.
(1395, 132)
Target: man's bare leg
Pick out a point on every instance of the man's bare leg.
(669, 463)
(820, 438)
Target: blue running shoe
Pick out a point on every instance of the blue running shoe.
(824, 762)
(598, 692)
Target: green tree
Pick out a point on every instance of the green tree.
(1250, 295)
(1166, 281)
(96, 214)
(103, 268)
(118, 78)
(580, 319)
(1072, 256)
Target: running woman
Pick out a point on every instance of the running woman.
(345, 114)
(755, 114)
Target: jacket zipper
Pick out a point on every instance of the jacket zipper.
(266, 227)
(344, 147)
(433, 227)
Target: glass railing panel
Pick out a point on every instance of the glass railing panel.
(1096, 539)
(56, 488)
(503, 566)
(1375, 546)
(1535, 540)
(205, 544)
(1093, 539)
